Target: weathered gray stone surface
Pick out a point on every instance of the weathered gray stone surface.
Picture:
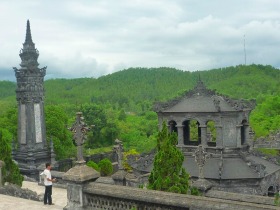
(77, 177)
(202, 184)
(80, 173)
(240, 197)
(17, 191)
(17, 203)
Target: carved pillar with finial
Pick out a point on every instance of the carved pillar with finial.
(78, 176)
(119, 176)
(118, 148)
(79, 130)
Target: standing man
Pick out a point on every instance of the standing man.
(48, 185)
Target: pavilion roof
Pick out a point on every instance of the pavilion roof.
(201, 99)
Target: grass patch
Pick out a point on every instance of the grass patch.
(272, 152)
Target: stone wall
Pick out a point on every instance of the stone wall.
(66, 164)
(97, 157)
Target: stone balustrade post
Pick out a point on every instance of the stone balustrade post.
(78, 176)
(76, 179)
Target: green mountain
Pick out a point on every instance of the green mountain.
(134, 91)
(142, 85)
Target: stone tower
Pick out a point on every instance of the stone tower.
(32, 147)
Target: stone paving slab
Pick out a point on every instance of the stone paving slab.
(13, 203)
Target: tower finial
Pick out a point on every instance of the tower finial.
(28, 38)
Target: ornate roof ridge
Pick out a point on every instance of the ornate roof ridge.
(201, 90)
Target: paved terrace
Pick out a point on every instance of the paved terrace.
(13, 203)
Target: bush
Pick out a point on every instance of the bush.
(93, 165)
(106, 167)
(195, 191)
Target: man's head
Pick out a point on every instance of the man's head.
(48, 165)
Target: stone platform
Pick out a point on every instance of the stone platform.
(11, 203)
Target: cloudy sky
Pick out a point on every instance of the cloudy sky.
(91, 38)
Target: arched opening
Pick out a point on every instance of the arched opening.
(242, 131)
(172, 126)
(270, 191)
(191, 132)
(211, 134)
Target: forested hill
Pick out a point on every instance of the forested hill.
(138, 88)
(120, 104)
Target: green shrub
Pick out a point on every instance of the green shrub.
(195, 191)
(93, 165)
(106, 167)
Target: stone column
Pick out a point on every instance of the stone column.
(238, 136)
(203, 129)
(2, 164)
(219, 136)
(180, 135)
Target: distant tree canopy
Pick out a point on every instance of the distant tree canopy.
(266, 116)
(56, 130)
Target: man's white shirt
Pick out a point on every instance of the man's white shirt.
(48, 175)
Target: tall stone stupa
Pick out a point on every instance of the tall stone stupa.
(31, 150)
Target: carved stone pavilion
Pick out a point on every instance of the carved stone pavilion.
(220, 125)
(32, 147)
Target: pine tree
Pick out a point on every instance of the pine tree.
(11, 171)
(168, 174)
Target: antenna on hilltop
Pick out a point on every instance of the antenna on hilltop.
(244, 51)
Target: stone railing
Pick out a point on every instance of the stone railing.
(113, 197)
(85, 195)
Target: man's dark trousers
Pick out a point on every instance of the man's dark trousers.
(48, 195)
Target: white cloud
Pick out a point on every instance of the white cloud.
(93, 38)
